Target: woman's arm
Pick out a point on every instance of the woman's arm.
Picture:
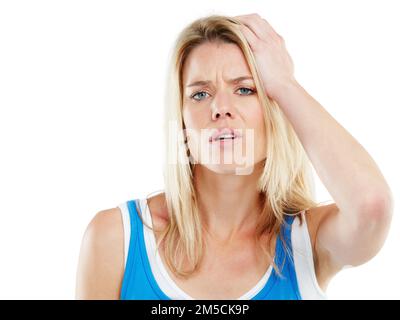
(354, 229)
(101, 261)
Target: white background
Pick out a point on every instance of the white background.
(81, 105)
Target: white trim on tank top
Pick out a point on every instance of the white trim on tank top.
(302, 255)
(126, 221)
(304, 263)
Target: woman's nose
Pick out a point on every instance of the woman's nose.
(223, 114)
(222, 107)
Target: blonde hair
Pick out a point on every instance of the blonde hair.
(285, 185)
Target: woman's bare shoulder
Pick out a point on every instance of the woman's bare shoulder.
(101, 259)
(324, 270)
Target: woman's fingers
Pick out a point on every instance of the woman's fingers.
(250, 36)
(259, 26)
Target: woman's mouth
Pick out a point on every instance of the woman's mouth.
(225, 140)
(225, 135)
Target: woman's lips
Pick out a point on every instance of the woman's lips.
(223, 142)
(225, 131)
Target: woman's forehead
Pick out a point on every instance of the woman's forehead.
(209, 59)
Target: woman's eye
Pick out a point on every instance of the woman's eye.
(247, 90)
(197, 94)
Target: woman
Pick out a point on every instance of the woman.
(240, 227)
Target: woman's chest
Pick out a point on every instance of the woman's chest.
(223, 275)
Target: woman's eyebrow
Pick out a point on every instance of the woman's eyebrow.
(205, 82)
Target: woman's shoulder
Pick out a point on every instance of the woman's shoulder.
(106, 229)
(324, 270)
(101, 259)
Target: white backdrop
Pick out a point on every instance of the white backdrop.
(81, 104)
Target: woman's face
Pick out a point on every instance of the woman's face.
(213, 103)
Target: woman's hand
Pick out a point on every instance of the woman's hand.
(273, 61)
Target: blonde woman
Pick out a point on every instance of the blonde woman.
(247, 228)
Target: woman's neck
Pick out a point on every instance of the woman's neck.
(228, 204)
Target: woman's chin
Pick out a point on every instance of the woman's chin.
(230, 169)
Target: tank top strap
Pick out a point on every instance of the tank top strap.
(284, 247)
(143, 285)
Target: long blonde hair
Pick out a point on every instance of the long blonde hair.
(285, 186)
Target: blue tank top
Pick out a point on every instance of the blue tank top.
(139, 282)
